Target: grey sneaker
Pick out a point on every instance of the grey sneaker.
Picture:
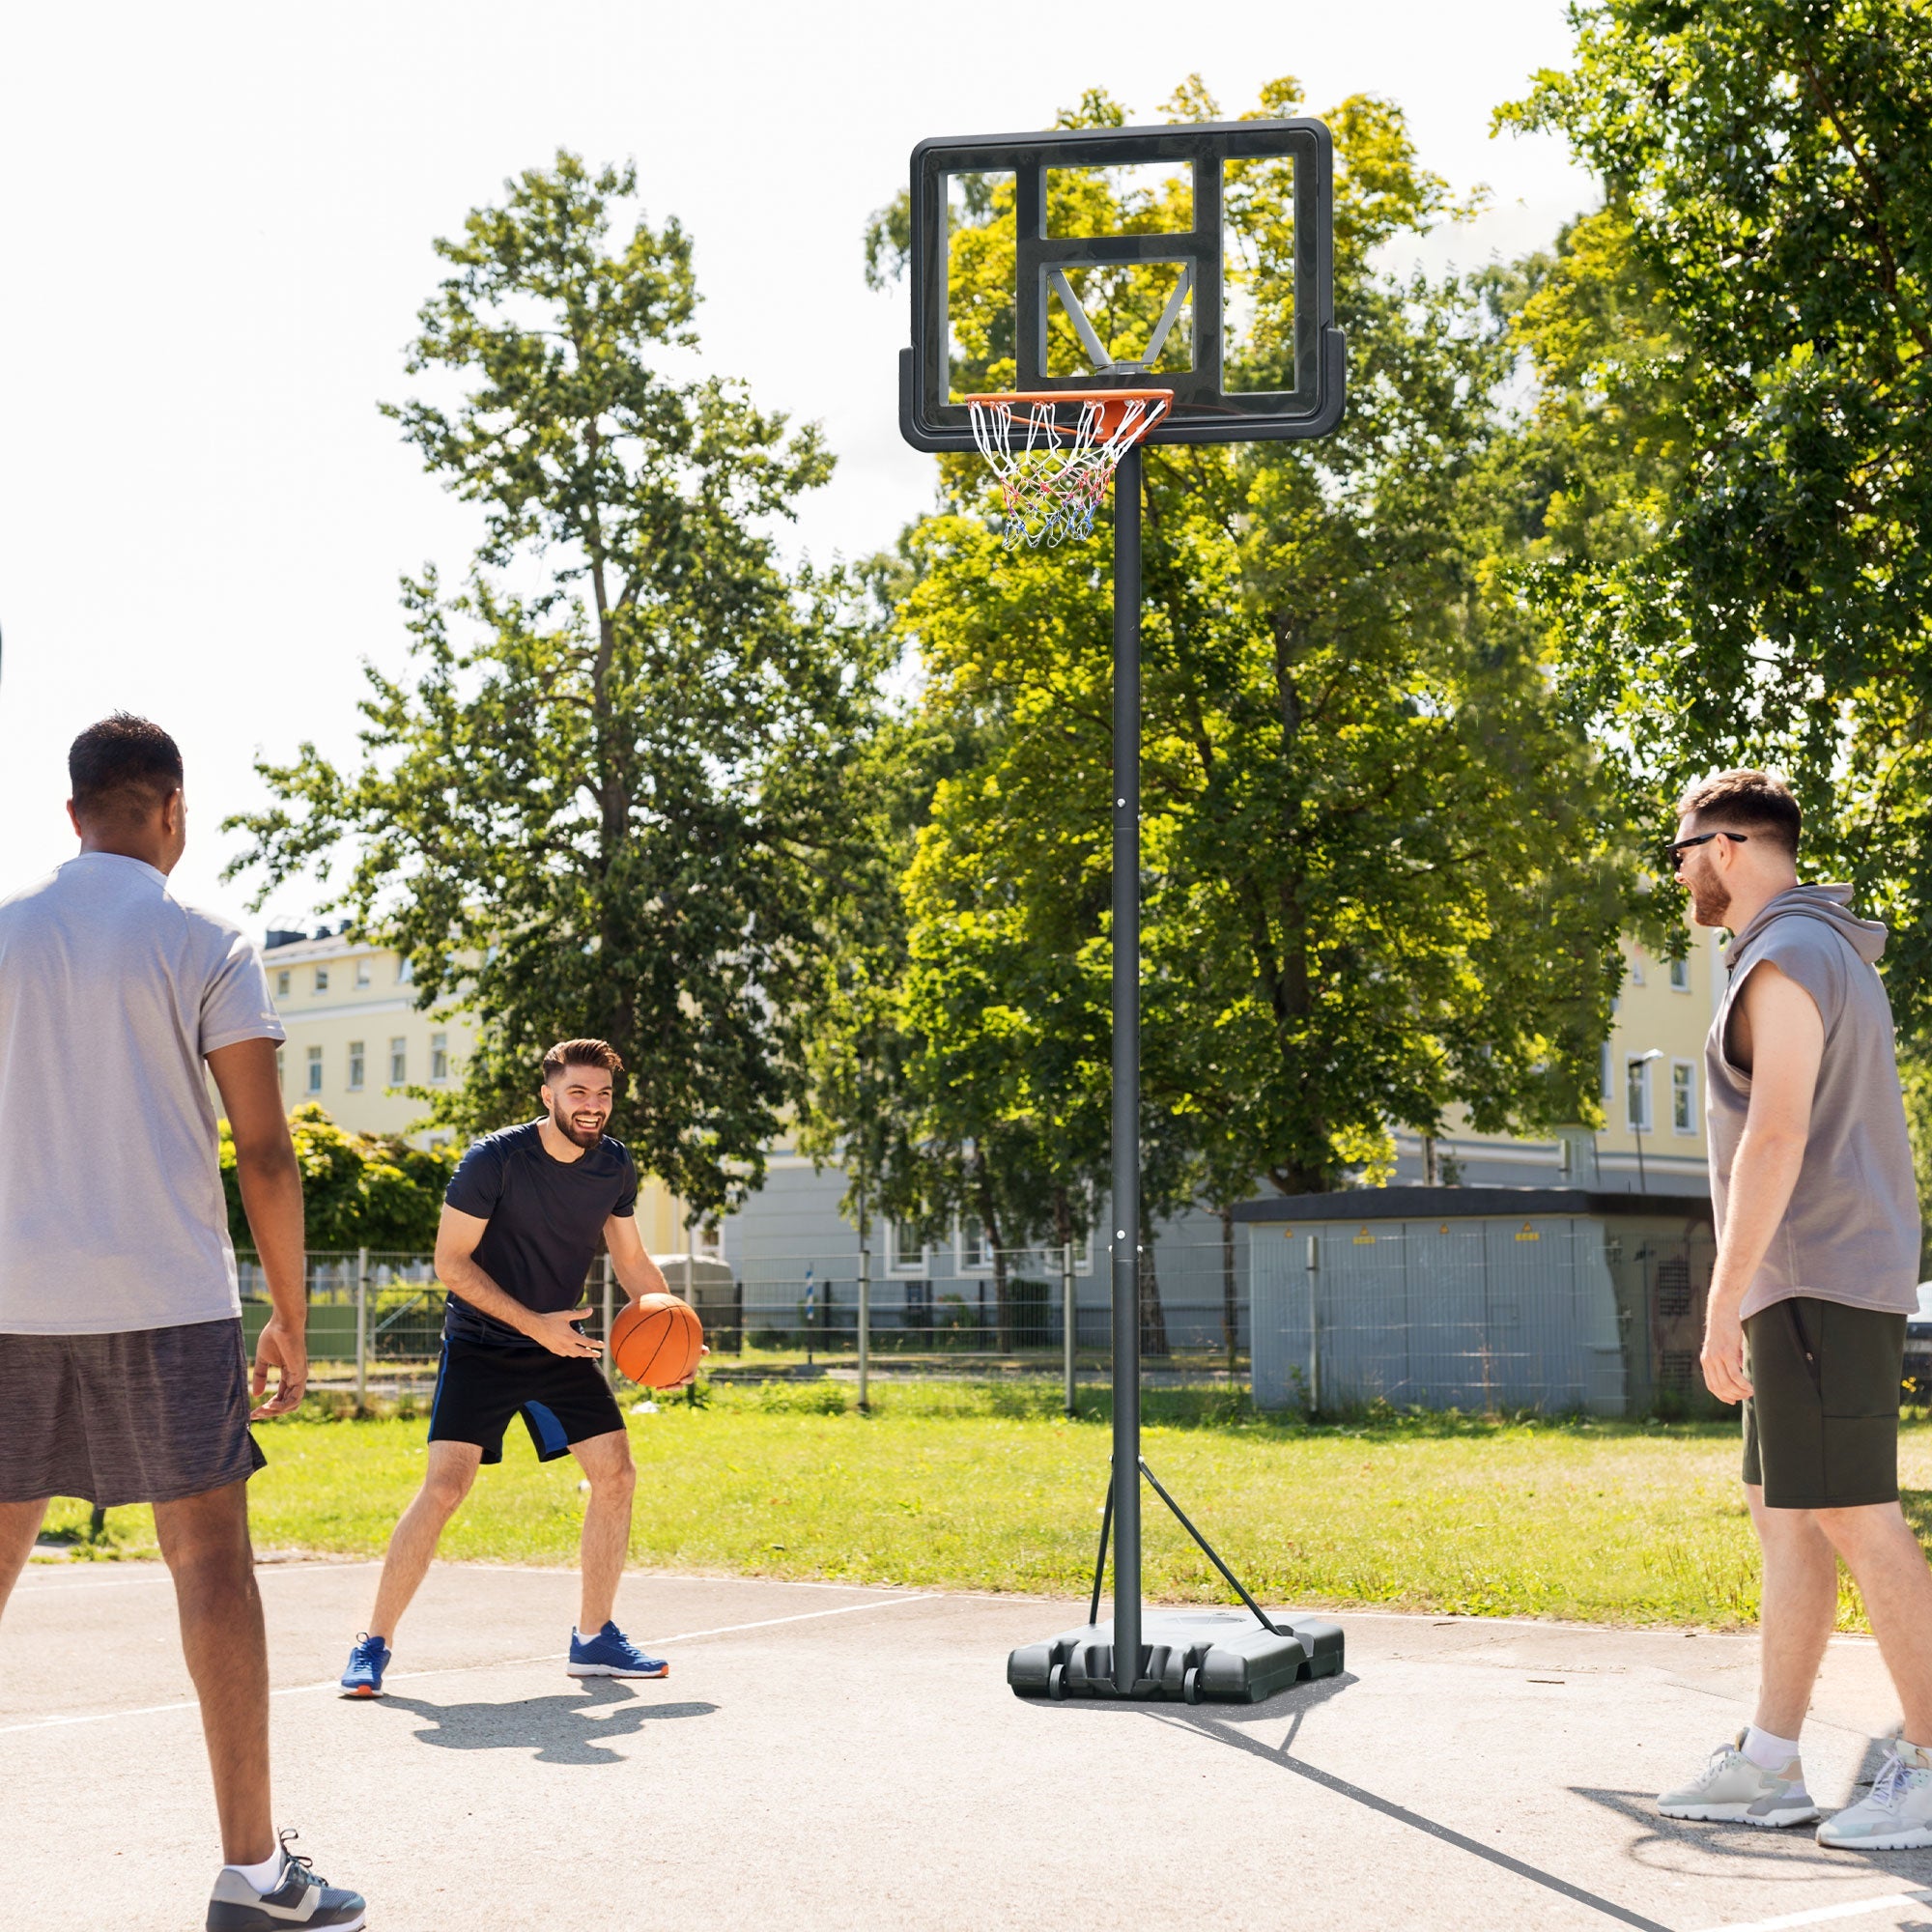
(1733, 1790)
(1898, 1816)
(299, 1897)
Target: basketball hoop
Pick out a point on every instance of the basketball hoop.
(1054, 472)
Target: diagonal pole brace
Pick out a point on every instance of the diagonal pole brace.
(1100, 1561)
(1207, 1549)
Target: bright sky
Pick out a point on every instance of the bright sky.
(217, 225)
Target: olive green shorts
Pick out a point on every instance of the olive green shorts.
(1821, 1424)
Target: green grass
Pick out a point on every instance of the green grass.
(985, 1488)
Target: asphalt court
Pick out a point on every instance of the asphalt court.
(824, 1756)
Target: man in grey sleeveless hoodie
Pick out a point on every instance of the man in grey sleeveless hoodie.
(1817, 1267)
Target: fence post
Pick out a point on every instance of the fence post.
(864, 1309)
(361, 1326)
(1314, 1332)
(609, 1371)
(1069, 1319)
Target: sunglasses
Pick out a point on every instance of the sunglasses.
(1673, 853)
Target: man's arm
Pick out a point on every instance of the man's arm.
(272, 1196)
(638, 1273)
(1787, 1044)
(635, 1271)
(457, 1269)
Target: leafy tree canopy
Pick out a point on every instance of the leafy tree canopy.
(358, 1190)
(607, 800)
(1733, 566)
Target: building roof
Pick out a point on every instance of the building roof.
(1466, 1203)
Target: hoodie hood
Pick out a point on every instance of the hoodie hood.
(1831, 904)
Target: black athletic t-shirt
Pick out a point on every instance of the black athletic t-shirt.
(546, 1218)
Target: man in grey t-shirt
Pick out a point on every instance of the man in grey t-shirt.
(1817, 1267)
(122, 1373)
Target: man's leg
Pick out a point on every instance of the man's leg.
(606, 1523)
(1891, 1571)
(450, 1470)
(205, 1541)
(20, 1525)
(1799, 1606)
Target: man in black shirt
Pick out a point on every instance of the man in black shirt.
(520, 1228)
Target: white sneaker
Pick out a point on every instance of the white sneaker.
(1898, 1816)
(1733, 1790)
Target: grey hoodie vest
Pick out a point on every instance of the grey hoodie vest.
(1851, 1232)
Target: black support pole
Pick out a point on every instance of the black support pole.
(1126, 1207)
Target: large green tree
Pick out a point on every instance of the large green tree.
(1379, 880)
(1742, 340)
(607, 798)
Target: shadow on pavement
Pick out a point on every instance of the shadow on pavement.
(561, 1729)
(1295, 1704)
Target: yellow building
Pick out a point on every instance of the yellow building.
(357, 1041)
(1651, 1074)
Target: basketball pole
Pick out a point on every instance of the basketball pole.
(1126, 1477)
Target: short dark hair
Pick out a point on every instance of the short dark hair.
(581, 1053)
(1754, 802)
(123, 767)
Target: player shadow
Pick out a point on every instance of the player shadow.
(562, 1729)
(1681, 1844)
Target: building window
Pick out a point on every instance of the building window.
(315, 1070)
(364, 977)
(905, 1253)
(356, 1061)
(282, 982)
(1636, 973)
(281, 1069)
(406, 972)
(1680, 976)
(972, 1247)
(399, 1063)
(438, 1057)
(1636, 1097)
(321, 979)
(1683, 1097)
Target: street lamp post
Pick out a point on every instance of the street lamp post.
(1637, 1114)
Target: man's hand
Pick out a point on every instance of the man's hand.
(284, 1349)
(1724, 1358)
(559, 1337)
(704, 1350)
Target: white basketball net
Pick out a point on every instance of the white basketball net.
(1052, 477)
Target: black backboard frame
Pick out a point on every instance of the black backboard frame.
(1202, 410)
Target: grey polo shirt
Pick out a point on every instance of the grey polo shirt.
(112, 993)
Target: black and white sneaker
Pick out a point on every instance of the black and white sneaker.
(299, 1897)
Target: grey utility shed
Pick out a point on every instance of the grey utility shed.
(1478, 1299)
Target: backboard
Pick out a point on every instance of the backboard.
(1196, 257)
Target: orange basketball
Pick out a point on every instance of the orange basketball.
(655, 1342)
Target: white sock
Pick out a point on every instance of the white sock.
(1767, 1752)
(263, 1876)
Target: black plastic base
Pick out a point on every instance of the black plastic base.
(1185, 1656)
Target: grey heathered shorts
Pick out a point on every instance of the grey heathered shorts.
(148, 1416)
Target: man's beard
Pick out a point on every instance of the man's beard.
(1709, 900)
(583, 1137)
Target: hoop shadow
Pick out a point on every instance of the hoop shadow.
(562, 1728)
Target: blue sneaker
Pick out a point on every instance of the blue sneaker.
(367, 1662)
(611, 1654)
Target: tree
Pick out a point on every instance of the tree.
(609, 804)
(358, 1190)
(1378, 884)
(1756, 290)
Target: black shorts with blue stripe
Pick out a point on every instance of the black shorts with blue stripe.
(562, 1399)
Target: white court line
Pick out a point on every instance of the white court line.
(1851, 1908)
(452, 1669)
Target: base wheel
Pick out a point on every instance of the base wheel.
(1190, 1683)
(1056, 1683)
